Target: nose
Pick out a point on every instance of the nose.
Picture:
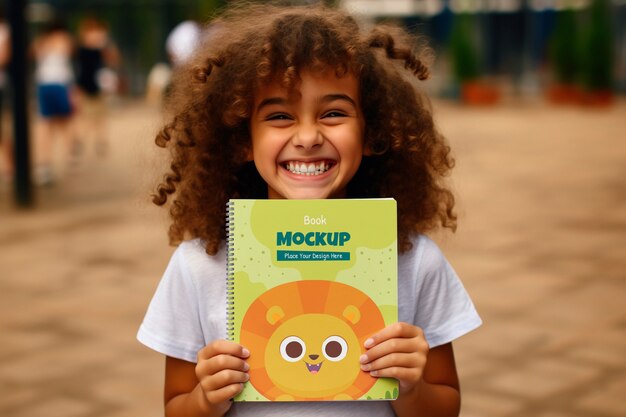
(307, 136)
(313, 357)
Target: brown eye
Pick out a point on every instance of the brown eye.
(335, 348)
(292, 349)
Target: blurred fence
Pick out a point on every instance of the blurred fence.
(510, 39)
(527, 44)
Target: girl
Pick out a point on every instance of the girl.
(279, 92)
(96, 56)
(54, 75)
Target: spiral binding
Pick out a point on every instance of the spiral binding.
(230, 271)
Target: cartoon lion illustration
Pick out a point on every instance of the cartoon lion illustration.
(305, 339)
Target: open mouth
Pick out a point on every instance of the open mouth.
(308, 168)
(313, 368)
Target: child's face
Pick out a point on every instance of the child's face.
(94, 38)
(308, 142)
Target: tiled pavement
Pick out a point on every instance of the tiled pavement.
(541, 247)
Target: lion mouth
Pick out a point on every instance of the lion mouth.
(313, 368)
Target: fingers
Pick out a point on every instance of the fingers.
(223, 347)
(221, 370)
(397, 337)
(221, 362)
(223, 394)
(395, 330)
(398, 351)
(397, 365)
(223, 385)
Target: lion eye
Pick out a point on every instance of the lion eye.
(292, 349)
(335, 348)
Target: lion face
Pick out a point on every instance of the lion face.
(313, 355)
(305, 339)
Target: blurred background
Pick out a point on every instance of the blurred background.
(524, 45)
(529, 93)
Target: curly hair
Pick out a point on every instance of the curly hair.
(212, 97)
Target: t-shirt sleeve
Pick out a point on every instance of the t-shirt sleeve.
(444, 308)
(171, 325)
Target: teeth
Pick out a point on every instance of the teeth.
(302, 168)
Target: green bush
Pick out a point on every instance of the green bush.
(463, 51)
(597, 68)
(564, 48)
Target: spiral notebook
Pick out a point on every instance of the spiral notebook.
(308, 282)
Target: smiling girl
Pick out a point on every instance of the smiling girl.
(308, 142)
(302, 103)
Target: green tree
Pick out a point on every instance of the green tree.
(597, 68)
(463, 50)
(564, 46)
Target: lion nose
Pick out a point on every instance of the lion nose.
(313, 357)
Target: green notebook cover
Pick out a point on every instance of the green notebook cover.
(308, 282)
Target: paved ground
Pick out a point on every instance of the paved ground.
(541, 248)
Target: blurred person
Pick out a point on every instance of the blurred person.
(180, 44)
(158, 81)
(6, 157)
(53, 50)
(97, 58)
(182, 41)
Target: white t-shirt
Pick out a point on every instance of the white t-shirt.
(54, 67)
(188, 311)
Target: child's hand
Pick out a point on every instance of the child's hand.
(221, 371)
(398, 351)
